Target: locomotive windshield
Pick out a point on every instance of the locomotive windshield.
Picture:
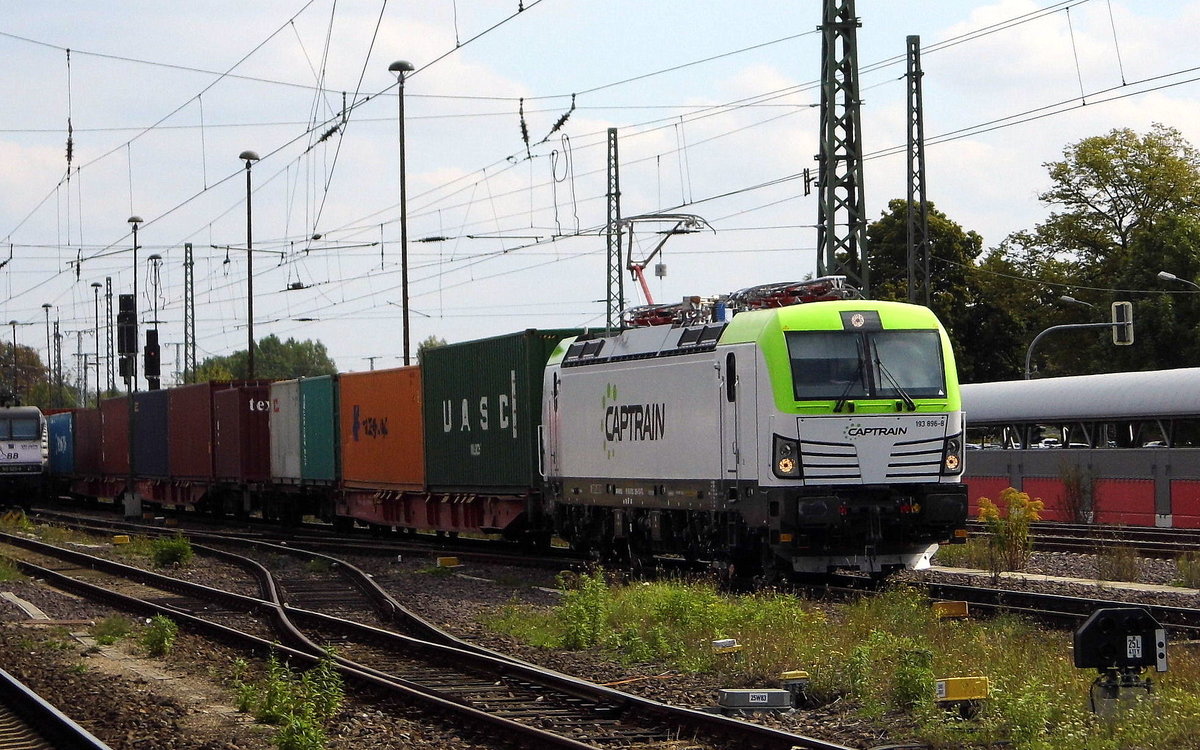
(844, 365)
(19, 429)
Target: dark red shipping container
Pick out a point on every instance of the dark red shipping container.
(87, 442)
(114, 444)
(190, 430)
(242, 434)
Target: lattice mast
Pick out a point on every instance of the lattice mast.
(189, 316)
(918, 204)
(841, 223)
(616, 269)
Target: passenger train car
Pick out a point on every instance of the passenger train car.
(1119, 448)
(792, 438)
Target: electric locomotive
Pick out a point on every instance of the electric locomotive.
(791, 439)
(23, 454)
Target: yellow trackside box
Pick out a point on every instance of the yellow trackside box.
(121, 539)
(448, 562)
(962, 689)
(950, 610)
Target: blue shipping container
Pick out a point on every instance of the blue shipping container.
(61, 429)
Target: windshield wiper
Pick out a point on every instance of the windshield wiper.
(857, 377)
(908, 402)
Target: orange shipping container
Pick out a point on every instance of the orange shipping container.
(380, 421)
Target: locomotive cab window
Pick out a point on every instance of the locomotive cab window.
(25, 429)
(866, 364)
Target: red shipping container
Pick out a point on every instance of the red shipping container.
(381, 424)
(190, 430)
(114, 443)
(242, 434)
(87, 442)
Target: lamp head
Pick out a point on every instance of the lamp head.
(248, 156)
(400, 67)
(134, 220)
(1167, 276)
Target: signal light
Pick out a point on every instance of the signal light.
(1122, 323)
(126, 325)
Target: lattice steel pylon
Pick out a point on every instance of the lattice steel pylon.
(616, 270)
(918, 204)
(841, 223)
(189, 316)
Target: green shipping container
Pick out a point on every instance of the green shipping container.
(318, 429)
(483, 406)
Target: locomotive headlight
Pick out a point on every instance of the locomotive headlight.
(952, 462)
(786, 464)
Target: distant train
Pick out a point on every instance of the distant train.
(1119, 448)
(793, 438)
(23, 453)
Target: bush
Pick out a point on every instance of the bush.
(167, 551)
(300, 706)
(584, 611)
(1009, 543)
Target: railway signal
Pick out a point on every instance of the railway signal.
(1122, 323)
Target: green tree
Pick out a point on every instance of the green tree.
(431, 342)
(1126, 206)
(273, 360)
(955, 293)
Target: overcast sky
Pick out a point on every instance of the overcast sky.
(717, 109)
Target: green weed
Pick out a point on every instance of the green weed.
(1188, 565)
(9, 570)
(111, 629)
(974, 553)
(1117, 563)
(169, 551)
(300, 705)
(159, 636)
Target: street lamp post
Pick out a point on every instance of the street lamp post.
(249, 157)
(96, 293)
(1168, 276)
(49, 352)
(400, 67)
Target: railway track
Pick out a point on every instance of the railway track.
(30, 722)
(1145, 541)
(500, 697)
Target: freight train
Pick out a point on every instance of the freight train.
(1115, 448)
(792, 438)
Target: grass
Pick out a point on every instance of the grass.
(1117, 563)
(974, 553)
(111, 629)
(1188, 565)
(879, 656)
(9, 571)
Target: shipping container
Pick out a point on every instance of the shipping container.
(285, 431)
(380, 429)
(242, 434)
(87, 442)
(114, 443)
(190, 430)
(482, 411)
(60, 429)
(150, 434)
(319, 429)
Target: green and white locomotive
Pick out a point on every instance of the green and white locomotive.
(811, 432)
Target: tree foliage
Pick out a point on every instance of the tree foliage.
(273, 360)
(432, 342)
